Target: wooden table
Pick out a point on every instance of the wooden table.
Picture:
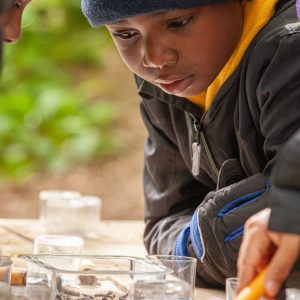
(113, 238)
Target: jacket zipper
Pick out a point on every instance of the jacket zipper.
(199, 137)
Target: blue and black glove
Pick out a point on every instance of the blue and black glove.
(215, 233)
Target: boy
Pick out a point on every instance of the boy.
(217, 84)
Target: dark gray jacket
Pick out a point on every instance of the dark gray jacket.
(205, 174)
(285, 192)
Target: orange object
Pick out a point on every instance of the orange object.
(255, 289)
(18, 277)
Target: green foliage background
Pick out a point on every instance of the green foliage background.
(47, 122)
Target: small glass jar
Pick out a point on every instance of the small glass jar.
(5, 271)
(72, 215)
(52, 195)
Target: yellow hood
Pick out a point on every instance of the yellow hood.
(257, 14)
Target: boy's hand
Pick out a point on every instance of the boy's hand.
(261, 247)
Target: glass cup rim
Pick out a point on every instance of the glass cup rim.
(292, 291)
(171, 257)
(80, 201)
(46, 194)
(232, 279)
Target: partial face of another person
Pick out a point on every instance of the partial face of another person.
(180, 51)
(11, 21)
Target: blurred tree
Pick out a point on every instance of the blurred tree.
(46, 122)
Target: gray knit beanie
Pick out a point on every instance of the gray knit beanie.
(100, 12)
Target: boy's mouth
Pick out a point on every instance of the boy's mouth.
(174, 85)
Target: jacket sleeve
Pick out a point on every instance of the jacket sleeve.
(278, 94)
(284, 196)
(280, 119)
(171, 192)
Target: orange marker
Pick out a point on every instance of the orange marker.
(255, 289)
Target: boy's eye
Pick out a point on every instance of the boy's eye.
(125, 35)
(17, 3)
(20, 3)
(179, 23)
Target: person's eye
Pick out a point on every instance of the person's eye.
(179, 23)
(125, 35)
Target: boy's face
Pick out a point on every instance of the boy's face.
(180, 51)
(11, 21)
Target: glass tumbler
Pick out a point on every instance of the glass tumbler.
(231, 284)
(73, 216)
(292, 294)
(181, 267)
(52, 195)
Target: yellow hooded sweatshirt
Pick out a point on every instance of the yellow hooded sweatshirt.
(257, 14)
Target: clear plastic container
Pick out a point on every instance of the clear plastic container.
(89, 276)
(73, 215)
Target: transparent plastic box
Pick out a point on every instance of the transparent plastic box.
(88, 276)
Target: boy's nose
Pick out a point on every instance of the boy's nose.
(157, 56)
